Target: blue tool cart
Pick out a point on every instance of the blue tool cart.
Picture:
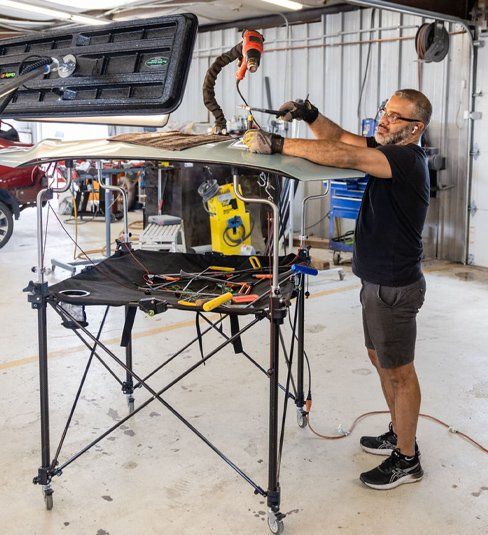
(345, 200)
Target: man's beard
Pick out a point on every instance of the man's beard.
(393, 139)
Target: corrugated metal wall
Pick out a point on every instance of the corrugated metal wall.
(327, 61)
(478, 246)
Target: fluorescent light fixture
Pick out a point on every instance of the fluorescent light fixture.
(88, 5)
(295, 6)
(53, 13)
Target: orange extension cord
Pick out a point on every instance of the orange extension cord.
(359, 418)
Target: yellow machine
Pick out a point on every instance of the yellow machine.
(230, 224)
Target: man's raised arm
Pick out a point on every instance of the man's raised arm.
(321, 126)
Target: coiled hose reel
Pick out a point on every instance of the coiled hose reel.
(207, 190)
(432, 42)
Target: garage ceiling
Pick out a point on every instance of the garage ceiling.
(19, 15)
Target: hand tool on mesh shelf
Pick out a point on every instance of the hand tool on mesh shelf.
(244, 287)
(218, 301)
(207, 304)
(189, 278)
(196, 277)
(255, 262)
(244, 299)
(222, 273)
(224, 269)
(193, 299)
(304, 269)
(201, 277)
(189, 294)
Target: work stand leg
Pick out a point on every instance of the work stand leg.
(300, 395)
(275, 517)
(128, 384)
(39, 302)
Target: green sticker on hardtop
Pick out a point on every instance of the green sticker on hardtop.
(156, 62)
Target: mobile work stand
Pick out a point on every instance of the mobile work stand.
(74, 317)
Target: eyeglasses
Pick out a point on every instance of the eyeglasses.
(394, 117)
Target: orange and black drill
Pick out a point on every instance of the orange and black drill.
(248, 53)
(252, 48)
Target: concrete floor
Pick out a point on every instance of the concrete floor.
(152, 476)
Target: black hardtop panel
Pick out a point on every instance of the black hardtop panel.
(125, 68)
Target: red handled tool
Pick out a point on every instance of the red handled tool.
(244, 299)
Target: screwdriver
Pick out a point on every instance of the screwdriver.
(277, 113)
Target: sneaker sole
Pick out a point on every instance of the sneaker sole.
(377, 451)
(397, 483)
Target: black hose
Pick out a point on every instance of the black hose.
(432, 42)
(209, 85)
(231, 242)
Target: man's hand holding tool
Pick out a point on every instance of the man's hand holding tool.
(299, 110)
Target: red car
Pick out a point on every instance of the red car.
(18, 187)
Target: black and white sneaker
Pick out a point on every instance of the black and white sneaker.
(394, 471)
(382, 445)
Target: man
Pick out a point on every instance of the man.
(387, 254)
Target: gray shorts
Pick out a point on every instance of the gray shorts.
(389, 320)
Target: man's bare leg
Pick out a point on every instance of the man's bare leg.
(386, 385)
(406, 396)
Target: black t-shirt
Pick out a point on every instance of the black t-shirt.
(388, 237)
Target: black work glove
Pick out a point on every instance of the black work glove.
(298, 109)
(263, 142)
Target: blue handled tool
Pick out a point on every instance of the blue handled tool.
(306, 270)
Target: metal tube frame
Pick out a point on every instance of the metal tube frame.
(275, 288)
(303, 252)
(155, 395)
(51, 468)
(57, 470)
(105, 184)
(38, 299)
(128, 384)
(277, 315)
(302, 236)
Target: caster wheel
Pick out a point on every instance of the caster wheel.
(48, 499)
(275, 526)
(336, 258)
(301, 419)
(342, 275)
